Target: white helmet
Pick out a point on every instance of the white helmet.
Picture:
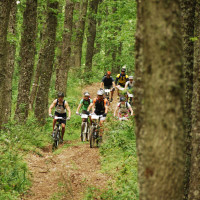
(131, 77)
(86, 94)
(100, 92)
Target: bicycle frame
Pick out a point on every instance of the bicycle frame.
(57, 132)
(107, 93)
(95, 130)
(84, 132)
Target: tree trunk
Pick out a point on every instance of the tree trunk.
(194, 188)
(27, 54)
(5, 7)
(188, 14)
(160, 133)
(41, 106)
(93, 7)
(10, 60)
(80, 33)
(62, 72)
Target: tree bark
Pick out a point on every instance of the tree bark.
(41, 106)
(5, 7)
(160, 134)
(80, 33)
(27, 54)
(194, 188)
(10, 60)
(62, 72)
(188, 15)
(93, 7)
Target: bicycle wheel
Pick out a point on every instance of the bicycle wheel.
(82, 131)
(88, 132)
(92, 138)
(56, 139)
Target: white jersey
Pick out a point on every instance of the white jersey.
(129, 84)
(60, 107)
(123, 108)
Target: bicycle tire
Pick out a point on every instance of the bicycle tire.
(56, 138)
(82, 129)
(88, 132)
(92, 138)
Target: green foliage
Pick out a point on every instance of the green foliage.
(119, 160)
(115, 34)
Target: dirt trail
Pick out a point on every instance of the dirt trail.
(68, 173)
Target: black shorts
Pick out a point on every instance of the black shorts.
(122, 85)
(64, 115)
(108, 86)
(99, 112)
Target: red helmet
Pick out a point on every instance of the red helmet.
(108, 73)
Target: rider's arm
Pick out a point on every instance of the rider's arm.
(106, 106)
(79, 106)
(114, 84)
(126, 85)
(51, 106)
(130, 108)
(90, 106)
(68, 108)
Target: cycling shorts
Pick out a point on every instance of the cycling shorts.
(64, 115)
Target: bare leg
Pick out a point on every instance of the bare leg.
(63, 131)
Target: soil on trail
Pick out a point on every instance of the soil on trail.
(68, 174)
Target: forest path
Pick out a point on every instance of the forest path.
(68, 174)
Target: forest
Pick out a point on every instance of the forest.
(68, 46)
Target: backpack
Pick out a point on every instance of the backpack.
(125, 103)
(63, 103)
(87, 101)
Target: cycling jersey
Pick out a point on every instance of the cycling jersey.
(60, 108)
(121, 79)
(107, 81)
(85, 103)
(100, 106)
(129, 84)
(124, 108)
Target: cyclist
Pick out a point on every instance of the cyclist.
(84, 104)
(123, 108)
(60, 111)
(129, 86)
(108, 83)
(99, 107)
(121, 79)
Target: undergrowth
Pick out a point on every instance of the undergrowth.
(119, 161)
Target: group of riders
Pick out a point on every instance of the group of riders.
(100, 104)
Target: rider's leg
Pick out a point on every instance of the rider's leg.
(54, 122)
(63, 130)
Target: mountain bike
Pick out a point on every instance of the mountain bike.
(107, 93)
(57, 132)
(85, 128)
(94, 133)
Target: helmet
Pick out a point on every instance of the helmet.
(60, 94)
(130, 77)
(100, 92)
(86, 94)
(123, 70)
(122, 99)
(108, 73)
